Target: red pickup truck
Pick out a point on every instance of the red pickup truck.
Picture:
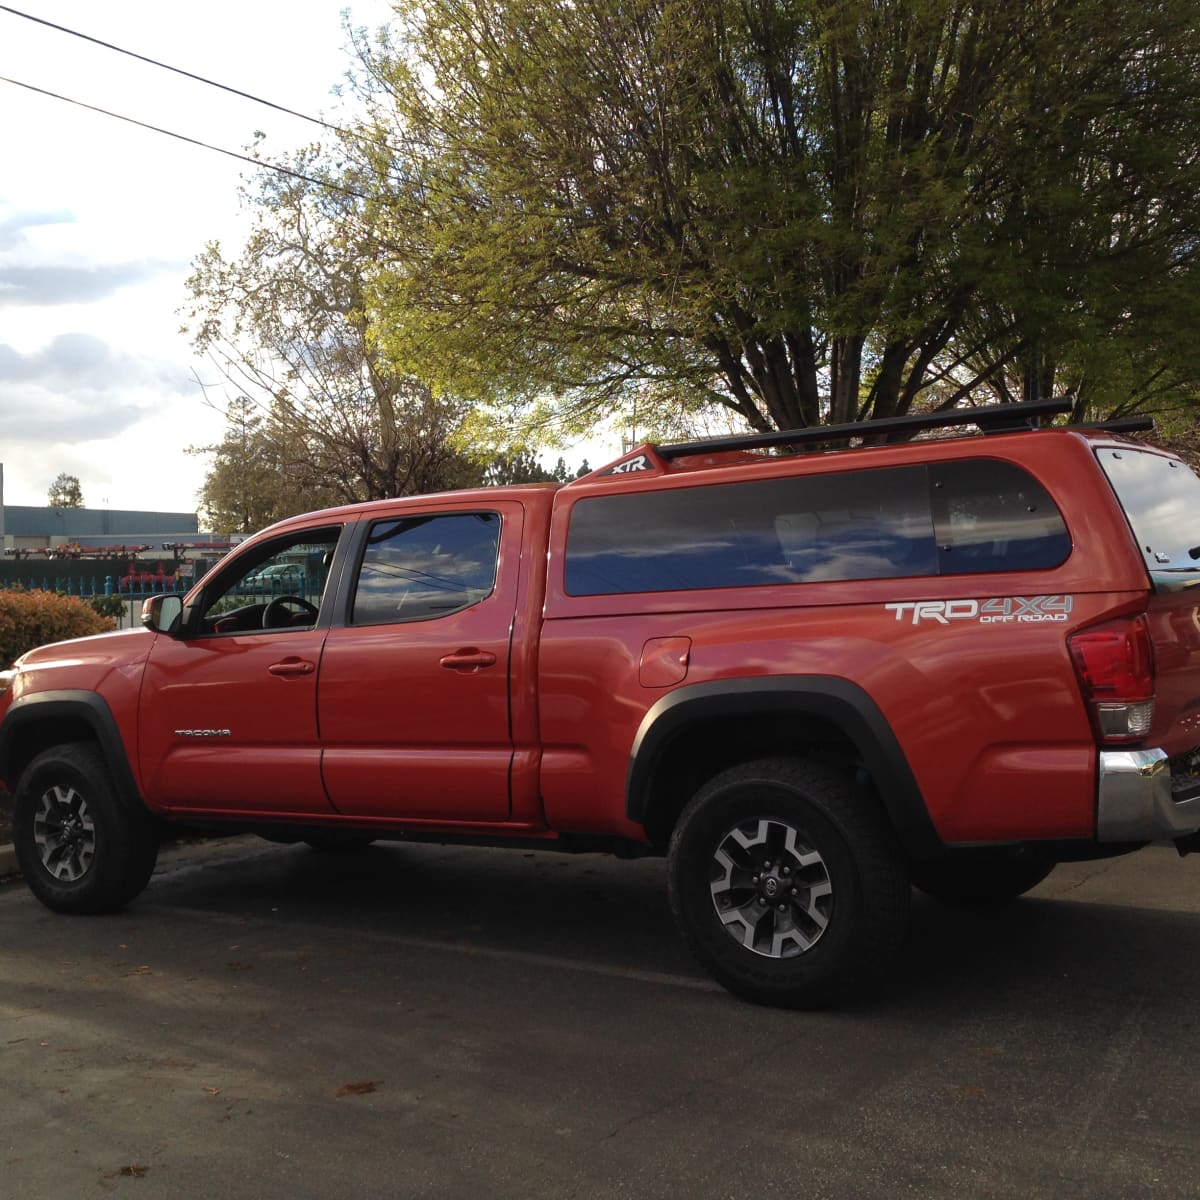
(811, 679)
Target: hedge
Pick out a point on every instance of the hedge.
(29, 619)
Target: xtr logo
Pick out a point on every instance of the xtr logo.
(1002, 610)
(640, 463)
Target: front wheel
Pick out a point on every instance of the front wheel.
(787, 884)
(80, 849)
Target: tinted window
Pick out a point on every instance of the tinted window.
(422, 567)
(865, 525)
(993, 516)
(1161, 498)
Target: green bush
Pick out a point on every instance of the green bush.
(29, 619)
(107, 606)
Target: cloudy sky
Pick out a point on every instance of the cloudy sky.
(100, 220)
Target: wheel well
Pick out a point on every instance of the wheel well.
(705, 747)
(36, 736)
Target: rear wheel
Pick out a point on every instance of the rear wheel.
(980, 879)
(80, 849)
(787, 884)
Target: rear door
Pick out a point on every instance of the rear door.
(413, 696)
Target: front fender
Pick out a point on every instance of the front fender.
(38, 720)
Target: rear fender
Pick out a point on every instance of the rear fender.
(832, 701)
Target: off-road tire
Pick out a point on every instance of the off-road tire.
(834, 936)
(80, 848)
(979, 881)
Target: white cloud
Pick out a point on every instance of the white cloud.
(99, 222)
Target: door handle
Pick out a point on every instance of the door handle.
(468, 660)
(291, 667)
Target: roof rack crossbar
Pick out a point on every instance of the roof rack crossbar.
(1120, 425)
(995, 418)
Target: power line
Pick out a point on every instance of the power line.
(254, 162)
(16, 12)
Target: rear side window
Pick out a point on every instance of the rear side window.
(865, 525)
(950, 519)
(422, 567)
(993, 516)
(1161, 499)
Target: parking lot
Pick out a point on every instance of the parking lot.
(418, 1021)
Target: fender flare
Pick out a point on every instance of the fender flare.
(77, 705)
(829, 697)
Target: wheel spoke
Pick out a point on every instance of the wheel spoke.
(64, 833)
(771, 890)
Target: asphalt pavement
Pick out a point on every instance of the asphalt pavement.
(419, 1021)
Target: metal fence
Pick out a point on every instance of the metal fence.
(134, 588)
(85, 586)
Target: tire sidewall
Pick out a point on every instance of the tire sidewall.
(811, 976)
(124, 846)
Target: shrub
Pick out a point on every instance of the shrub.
(29, 619)
(107, 606)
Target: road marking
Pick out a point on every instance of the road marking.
(467, 950)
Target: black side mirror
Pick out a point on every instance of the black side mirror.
(163, 614)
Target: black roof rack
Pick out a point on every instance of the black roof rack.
(1120, 425)
(992, 418)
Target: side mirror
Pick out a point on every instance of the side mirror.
(162, 614)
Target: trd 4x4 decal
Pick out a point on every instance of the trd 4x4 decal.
(1003, 610)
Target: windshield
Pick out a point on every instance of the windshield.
(1161, 498)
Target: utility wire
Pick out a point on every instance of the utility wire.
(254, 162)
(16, 12)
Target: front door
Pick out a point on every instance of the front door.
(228, 710)
(413, 697)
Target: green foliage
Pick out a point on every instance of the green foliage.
(65, 492)
(522, 466)
(245, 488)
(107, 606)
(801, 210)
(317, 417)
(31, 619)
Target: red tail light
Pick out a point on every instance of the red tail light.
(1115, 665)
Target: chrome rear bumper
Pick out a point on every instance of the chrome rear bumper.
(1135, 802)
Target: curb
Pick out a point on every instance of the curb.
(8, 861)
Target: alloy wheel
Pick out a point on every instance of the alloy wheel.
(770, 888)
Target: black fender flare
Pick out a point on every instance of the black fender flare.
(77, 706)
(829, 697)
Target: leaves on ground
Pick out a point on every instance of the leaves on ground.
(362, 1088)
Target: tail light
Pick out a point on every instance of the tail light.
(1115, 665)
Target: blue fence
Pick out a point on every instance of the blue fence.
(128, 587)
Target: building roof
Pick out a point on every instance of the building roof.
(84, 524)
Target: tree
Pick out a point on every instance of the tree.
(245, 487)
(522, 466)
(318, 416)
(65, 492)
(800, 210)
